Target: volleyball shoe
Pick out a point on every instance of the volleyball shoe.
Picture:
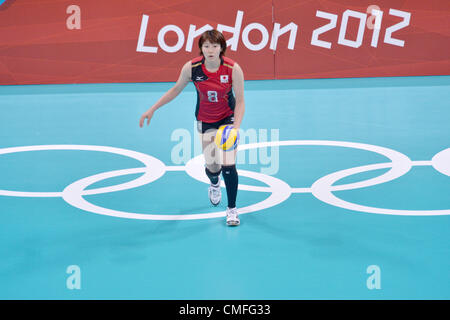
(232, 217)
(215, 194)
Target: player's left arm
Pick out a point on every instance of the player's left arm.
(238, 88)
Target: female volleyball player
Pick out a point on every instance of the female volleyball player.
(215, 77)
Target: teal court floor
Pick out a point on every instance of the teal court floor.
(344, 192)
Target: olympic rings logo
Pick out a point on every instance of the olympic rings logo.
(278, 190)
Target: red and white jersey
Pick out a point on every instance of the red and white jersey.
(215, 99)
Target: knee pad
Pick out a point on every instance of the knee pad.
(213, 169)
(229, 170)
(213, 176)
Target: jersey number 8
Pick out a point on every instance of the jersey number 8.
(212, 96)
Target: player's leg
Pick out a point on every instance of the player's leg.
(231, 179)
(212, 163)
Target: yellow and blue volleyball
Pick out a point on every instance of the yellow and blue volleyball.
(227, 137)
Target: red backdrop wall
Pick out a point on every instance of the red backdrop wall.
(85, 41)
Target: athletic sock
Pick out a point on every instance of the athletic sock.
(230, 176)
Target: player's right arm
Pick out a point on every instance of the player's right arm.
(183, 80)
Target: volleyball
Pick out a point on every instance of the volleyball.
(227, 138)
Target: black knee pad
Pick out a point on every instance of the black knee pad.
(213, 176)
(229, 169)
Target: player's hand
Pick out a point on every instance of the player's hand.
(147, 115)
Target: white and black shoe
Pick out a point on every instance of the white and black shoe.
(215, 194)
(232, 217)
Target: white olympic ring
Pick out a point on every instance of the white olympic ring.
(441, 162)
(321, 190)
(402, 163)
(280, 191)
(72, 194)
(147, 160)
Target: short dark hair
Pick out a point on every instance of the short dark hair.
(213, 36)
